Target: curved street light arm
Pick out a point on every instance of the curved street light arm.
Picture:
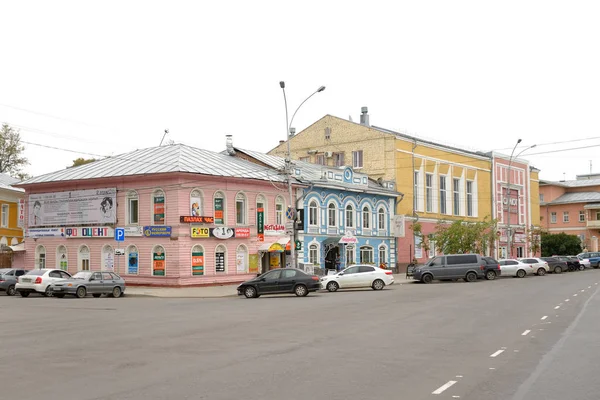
(305, 100)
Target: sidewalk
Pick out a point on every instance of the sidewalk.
(207, 291)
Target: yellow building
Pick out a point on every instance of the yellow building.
(11, 231)
(439, 182)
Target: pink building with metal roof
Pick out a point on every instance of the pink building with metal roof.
(190, 217)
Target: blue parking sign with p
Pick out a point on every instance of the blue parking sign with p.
(120, 234)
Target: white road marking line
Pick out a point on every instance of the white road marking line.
(583, 290)
(567, 299)
(575, 295)
(544, 317)
(443, 387)
(492, 368)
(503, 348)
(516, 351)
(589, 287)
(557, 307)
(456, 397)
(497, 353)
(526, 332)
(459, 376)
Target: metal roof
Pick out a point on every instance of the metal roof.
(313, 173)
(573, 183)
(578, 197)
(163, 159)
(6, 182)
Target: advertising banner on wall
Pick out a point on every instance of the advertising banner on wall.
(158, 264)
(197, 263)
(220, 262)
(200, 232)
(218, 211)
(77, 207)
(260, 224)
(21, 222)
(195, 203)
(159, 209)
(132, 264)
(274, 230)
(156, 231)
(240, 261)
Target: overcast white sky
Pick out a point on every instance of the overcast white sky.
(108, 77)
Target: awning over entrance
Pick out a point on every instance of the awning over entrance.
(279, 246)
(18, 247)
(593, 206)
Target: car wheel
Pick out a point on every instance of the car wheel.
(490, 275)
(521, 273)
(557, 270)
(48, 291)
(427, 278)
(60, 295)
(595, 266)
(250, 292)
(581, 267)
(378, 284)
(81, 292)
(332, 286)
(24, 294)
(301, 291)
(96, 295)
(471, 277)
(116, 292)
(11, 291)
(541, 272)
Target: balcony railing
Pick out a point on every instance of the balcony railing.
(594, 223)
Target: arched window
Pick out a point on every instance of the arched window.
(62, 261)
(220, 259)
(382, 254)
(158, 207)
(350, 255)
(219, 208)
(83, 258)
(14, 241)
(313, 214)
(40, 256)
(331, 215)
(159, 260)
(196, 203)
(4, 241)
(133, 257)
(241, 259)
(197, 260)
(108, 258)
(261, 202)
(240, 209)
(366, 217)
(279, 206)
(313, 254)
(366, 255)
(381, 218)
(349, 216)
(132, 206)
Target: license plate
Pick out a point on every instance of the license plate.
(57, 289)
(26, 280)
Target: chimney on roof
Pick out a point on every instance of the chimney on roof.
(364, 117)
(229, 143)
(281, 141)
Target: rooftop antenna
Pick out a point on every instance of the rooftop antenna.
(590, 167)
(163, 138)
(564, 176)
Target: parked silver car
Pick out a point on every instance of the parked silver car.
(88, 282)
(8, 279)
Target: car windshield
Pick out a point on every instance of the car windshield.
(36, 272)
(82, 275)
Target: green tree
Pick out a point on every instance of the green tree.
(81, 161)
(12, 159)
(465, 237)
(560, 244)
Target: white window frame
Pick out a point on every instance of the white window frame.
(366, 217)
(432, 249)
(320, 159)
(470, 204)
(133, 214)
(242, 249)
(5, 215)
(368, 251)
(197, 194)
(350, 256)
(338, 159)
(429, 192)
(443, 195)
(357, 159)
(40, 256)
(418, 248)
(520, 252)
(241, 209)
(455, 197)
(220, 195)
(332, 214)
(84, 258)
(279, 210)
(313, 213)
(59, 254)
(381, 219)
(581, 216)
(382, 254)
(416, 190)
(221, 248)
(104, 251)
(565, 216)
(349, 213)
(553, 217)
(313, 254)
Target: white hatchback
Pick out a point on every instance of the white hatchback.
(358, 276)
(540, 267)
(39, 281)
(511, 267)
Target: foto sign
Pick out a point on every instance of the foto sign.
(120, 234)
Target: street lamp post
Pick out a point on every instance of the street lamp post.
(289, 131)
(510, 160)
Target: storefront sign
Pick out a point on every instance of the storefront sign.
(21, 222)
(260, 224)
(197, 263)
(109, 261)
(222, 232)
(298, 245)
(199, 232)
(274, 230)
(45, 232)
(156, 231)
(134, 231)
(132, 265)
(158, 264)
(275, 260)
(90, 232)
(240, 262)
(195, 205)
(77, 207)
(348, 238)
(253, 267)
(218, 211)
(191, 219)
(159, 209)
(398, 226)
(220, 262)
(242, 233)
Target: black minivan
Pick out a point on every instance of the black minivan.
(469, 267)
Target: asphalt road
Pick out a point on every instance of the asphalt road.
(505, 339)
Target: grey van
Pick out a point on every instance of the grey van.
(469, 267)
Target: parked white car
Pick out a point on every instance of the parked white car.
(540, 267)
(512, 267)
(39, 281)
(357, 276)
